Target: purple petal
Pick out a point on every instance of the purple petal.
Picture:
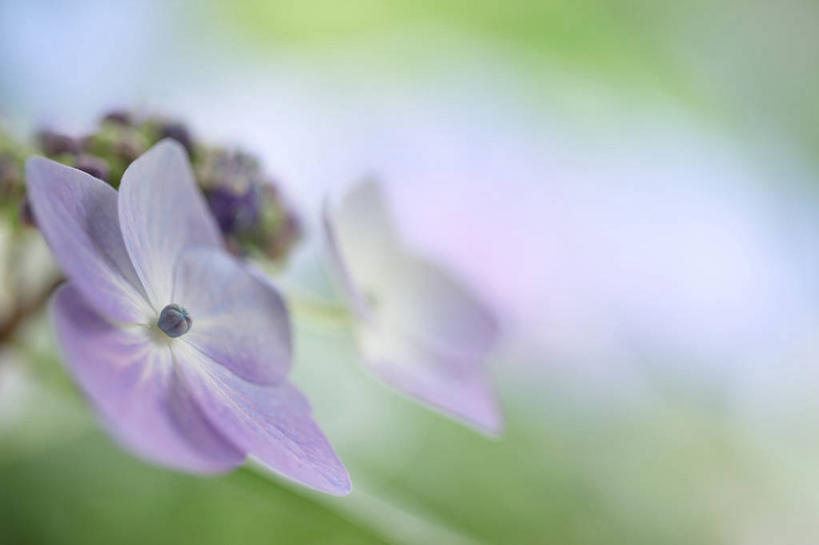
(271, 423)
(77, 215)
(430, 338)
(134, 384)
(238, 320)
(465, 397)
(161, 213)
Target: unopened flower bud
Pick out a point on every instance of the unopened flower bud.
(178, 132)
(92, 165)
(118, 117)
(174, 320)
(234, 212)
(53, 143)
(129, 147)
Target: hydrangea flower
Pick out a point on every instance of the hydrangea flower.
(184, 353)
(419, 329)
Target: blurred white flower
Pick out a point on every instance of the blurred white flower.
(419, 329)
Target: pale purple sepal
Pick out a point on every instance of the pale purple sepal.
(240, 321)
(273, 423)
(161, 213)
(436, 313)
(468, 398)
(419, 328)
(137, 390)
(77, 214)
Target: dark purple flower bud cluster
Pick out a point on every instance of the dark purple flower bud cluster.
(55, 144)
(104, 154)
(252, 215)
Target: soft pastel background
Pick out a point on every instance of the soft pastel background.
(631, 184)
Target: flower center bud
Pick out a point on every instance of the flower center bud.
(174, 320)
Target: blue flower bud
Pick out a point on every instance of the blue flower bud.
(53, 143)
(118, 117)
(234, 212)
(174, 320)
(178, 132)
(92, 165)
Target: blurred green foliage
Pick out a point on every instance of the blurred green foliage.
(670, 469)
(746, 65)
(621, 39)
(669, 473)
(560, 474)
(87, 492)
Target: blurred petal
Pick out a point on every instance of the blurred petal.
(135, 386)
(161, 212)
(362, 233)
(411, 294)
(433, 310)
(350, 291)
(420, 329)
(77, 215)
(433, 379)
(238, 320)
(271, 423)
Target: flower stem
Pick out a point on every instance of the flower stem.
(12, 323)
(21, 307)
(314, 310)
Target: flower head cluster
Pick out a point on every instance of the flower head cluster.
(251, 213)
(182, 349)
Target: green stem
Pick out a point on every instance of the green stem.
(312, 310)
